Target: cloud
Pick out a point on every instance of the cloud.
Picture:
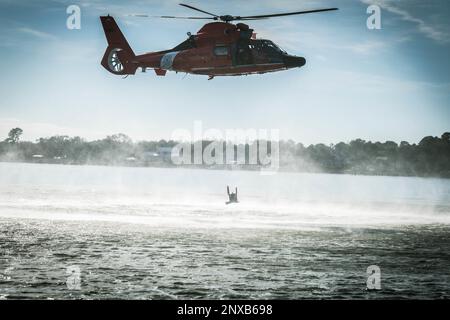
(36, 33)
(423, 27)
(367, 47)
(34, 130)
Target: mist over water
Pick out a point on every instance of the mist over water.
(195, 198)
(167, 233)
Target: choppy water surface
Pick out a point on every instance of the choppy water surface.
(166, 233)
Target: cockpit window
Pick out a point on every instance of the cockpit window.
(267, 46)
(270, 44)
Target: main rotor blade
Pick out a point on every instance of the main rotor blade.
(247, 19)
(194, 8)
(199, 18)
(283, 14)
(139, 15)
(169, 17)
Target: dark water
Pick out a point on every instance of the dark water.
(140, 233)
(137, 262)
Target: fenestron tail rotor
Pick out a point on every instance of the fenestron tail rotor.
(114, 62)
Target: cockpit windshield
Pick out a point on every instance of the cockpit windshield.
(272, 45)
(267, 46)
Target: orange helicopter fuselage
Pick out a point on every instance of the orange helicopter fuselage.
(218, 49)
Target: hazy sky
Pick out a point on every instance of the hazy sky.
(388, 84)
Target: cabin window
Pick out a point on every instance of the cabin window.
(221, 50)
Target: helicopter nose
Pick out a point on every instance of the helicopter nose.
(293, 61)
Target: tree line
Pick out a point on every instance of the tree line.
(430, 157)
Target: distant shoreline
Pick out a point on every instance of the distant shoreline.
(224, 168)
(428, 158)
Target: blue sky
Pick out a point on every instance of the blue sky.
(388, 84)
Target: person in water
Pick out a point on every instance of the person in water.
(232, 197)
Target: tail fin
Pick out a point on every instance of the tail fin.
(119, 57)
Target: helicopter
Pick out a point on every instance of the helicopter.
(220, 48)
